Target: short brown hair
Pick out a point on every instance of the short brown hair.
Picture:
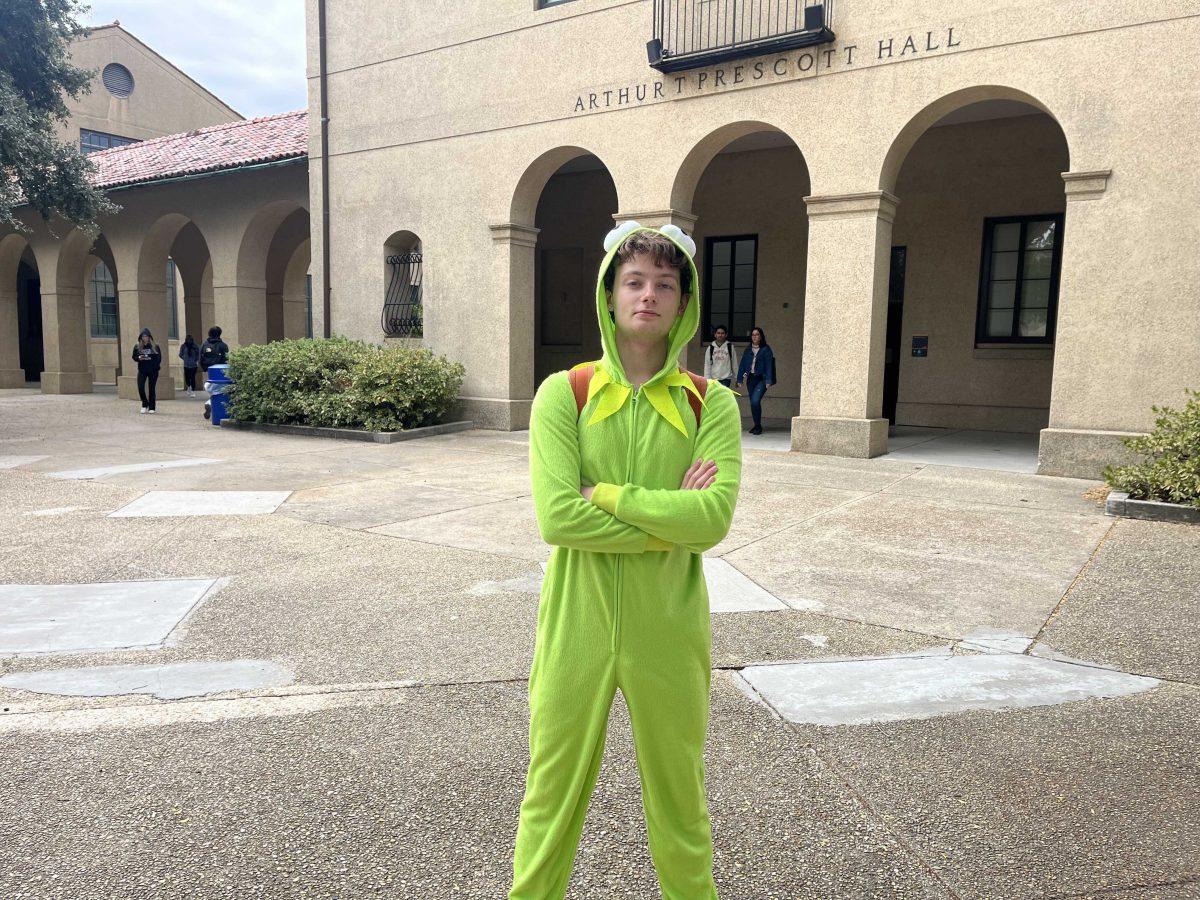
(660, 249)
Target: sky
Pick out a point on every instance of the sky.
(250, 54)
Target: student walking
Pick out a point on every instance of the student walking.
(757, 371)
(635, 467)
(213, 351)
(189, 352)
(719, 358)
(148, 357)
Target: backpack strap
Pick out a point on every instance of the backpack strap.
(580, 377)
(701, 384)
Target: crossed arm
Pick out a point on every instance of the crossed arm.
(630, 518)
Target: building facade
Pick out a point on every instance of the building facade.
(962, 215)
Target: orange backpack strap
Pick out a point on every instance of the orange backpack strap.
(701, 384)
(580, 378)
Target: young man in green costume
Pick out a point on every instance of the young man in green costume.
(630, 491)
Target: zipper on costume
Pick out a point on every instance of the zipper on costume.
(621, 556)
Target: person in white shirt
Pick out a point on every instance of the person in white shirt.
(718, 358)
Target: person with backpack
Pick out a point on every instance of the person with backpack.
(213, 351)
(758, 371)
(635, 466)
(719, 357)
(189, 352)
(148, 357)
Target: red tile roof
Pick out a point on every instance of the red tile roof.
(212, 149)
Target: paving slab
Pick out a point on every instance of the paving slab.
(377, 501)
(892, 688)
(125, 468)
(1094, 798)
(731, 591)
(1002, 488)
(936, 566)
(66, 618)
(12, 462)
(203, 503)
(172, 681)
(414, 795)
(1137, 604)
(993, 450)
(503, 527)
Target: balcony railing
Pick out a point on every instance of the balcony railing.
(689, 34)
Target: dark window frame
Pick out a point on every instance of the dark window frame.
(982, 338)
(706, 323)
(550, 4)
(121, 141)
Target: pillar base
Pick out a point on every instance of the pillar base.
(66, 382)
(857, 438)
(12, 378)
(164, 390)
(498, 414)
(1082, 453)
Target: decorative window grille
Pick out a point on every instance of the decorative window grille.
(402, 309)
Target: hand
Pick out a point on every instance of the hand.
(699, 475)
(586, 492)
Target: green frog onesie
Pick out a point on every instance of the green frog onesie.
(624, 603)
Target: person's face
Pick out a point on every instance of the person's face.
(145, 340)
(756, 337)
(719, 335)
(646, 298)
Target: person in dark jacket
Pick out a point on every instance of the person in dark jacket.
(214, 350)
(148, 357)
(189, 352)
(757, 371)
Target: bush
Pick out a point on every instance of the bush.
(340, 383)
(1171, 473)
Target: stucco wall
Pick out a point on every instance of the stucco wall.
(164, 100)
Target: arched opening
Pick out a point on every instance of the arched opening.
(101, 300)
(404, 279)
(974, 270)
(745, 184)
(249, 297)
(22, 357)
(286, 319)
(574, 212)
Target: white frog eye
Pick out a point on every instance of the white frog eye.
(618, 234)
(675, 232)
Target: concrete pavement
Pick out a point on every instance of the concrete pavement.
(395, 588)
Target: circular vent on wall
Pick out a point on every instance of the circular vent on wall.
(118, 80)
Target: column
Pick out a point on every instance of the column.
(11, 373)
(845, 320)
(65, 337)
(512, 336)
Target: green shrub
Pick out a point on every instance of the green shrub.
(340, 383)
(1171, 472)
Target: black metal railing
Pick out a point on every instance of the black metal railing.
(692, 33)
(402, 312)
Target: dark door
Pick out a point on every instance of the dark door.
(895, 318)
(29, 322)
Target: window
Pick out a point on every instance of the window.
(542, 4)
(90, 141)
(102, 295)
(118, 80)
(1018, 284)
(172, 302)
(729, 284)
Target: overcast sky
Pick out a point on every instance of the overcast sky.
(251, 55)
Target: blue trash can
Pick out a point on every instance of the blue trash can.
(218, 383)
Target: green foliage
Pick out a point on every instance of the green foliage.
(1171, 472)
(340, 383)
(35, 76)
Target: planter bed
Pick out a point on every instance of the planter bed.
(350, 434)
(1120, 504)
